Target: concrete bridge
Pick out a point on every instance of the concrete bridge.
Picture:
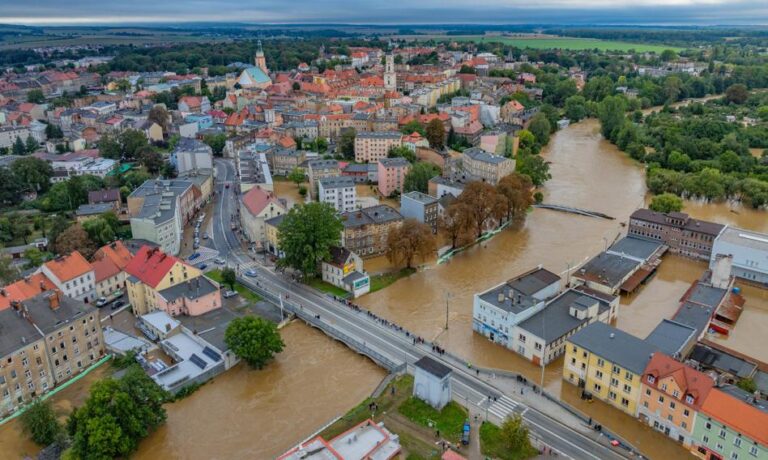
(572, 210)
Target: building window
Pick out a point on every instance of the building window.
(689, 399)
(615, 369)
(614, 382)
(671, 404)
(661, 399)
(686, 413)
(676, 394)
(598, 388)
(600, 362)
(651, 379)
(598, 374)
(684, 425)
(708, 426)
(611, 395)
(663, 387)
(753, 451)
(705, 439)
(737, 441)
(722, 433)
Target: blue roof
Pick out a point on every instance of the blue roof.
(258, 75)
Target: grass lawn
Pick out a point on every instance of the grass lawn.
(385, 279)
(491, 446)
(239, 288)
(570, 43)
(321, 285)
(449, 421)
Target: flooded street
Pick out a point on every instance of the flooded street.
(246, 413)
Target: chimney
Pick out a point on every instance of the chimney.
(3, 293)
(501, 297)
(53, 300)
(42, 286)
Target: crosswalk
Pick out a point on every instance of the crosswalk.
(502, 407)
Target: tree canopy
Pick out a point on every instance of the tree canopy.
(306, 236)
(254, 340)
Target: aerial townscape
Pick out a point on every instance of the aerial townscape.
(368, 231)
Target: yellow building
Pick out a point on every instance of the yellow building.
(149, 272)
(608, 364)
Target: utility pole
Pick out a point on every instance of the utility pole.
(447, 298)
(282, 312)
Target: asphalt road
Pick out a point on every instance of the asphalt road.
(387, 341)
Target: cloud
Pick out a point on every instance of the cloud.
(389, 12)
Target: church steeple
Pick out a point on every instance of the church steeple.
(260, 61)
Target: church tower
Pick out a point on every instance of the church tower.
(390, 77)
(260, 61)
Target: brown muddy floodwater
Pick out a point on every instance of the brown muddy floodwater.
(254, 414)
(587, 172)
(14, 444)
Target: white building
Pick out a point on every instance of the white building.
(339, 192)
(390, 77)
(192, 155)
(73, 275)
(432, 382)
(497, 311)
(345, 270)
(749, 251)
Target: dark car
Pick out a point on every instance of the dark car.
(202, 266)
(194, 256)
(117, 304)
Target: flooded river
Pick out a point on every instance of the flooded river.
(246, 413)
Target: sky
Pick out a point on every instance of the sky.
(585, 12)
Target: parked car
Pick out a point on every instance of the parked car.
(220, 261)
(194, 256)
(205, 235)
(101, 301)
(202, 266)
(118, 304)
(228, 294)
(196, 245)
(226, 185)
(251, 272)
(465, 433)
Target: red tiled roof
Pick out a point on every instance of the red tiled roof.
(150, 265)
(69, 267)
(116, 252)
(104, 269)
(25, 289)
(256, 199)
(691, 382)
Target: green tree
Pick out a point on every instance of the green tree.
(411, 240)
(418, 177)
(668, 55)
(11, 187)
(347, 143)
(34, 173)
(159, 115)
(53, 131)
(39, 422)
(19, 148)
(516, 188)
(403, 152)
(116, 416)
(109, 147)
(611, 114)
(132, 142)
(296, 176)
(306, 236)
(34, 256)
(31, 144)
(513, 435)
(103, 229)
(534, 167)
(151, 159)
(216, 142)
(229, 277)
(435, 134)
(666, 202)
(736, 94)
(575, 108)
(540, 128)
(8, 274)
(747, 384)
(415, 126)
(35, 96)
(254, 340)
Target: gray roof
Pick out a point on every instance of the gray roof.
(479, 154)
(354, 276)
(379, 135)
(48, 319)
(188, 144)
(319, 164)
(15, 332)
(396, 162)
(91, 209)
(671, 337)
(704, 294)
(192, 289)
(694, 316)
(275, 221)
(420, 197)
(433, 367)
(555, 320)
(378, 214)
(609, 269)
(337, 182)
(160, 198)
(745, 238)
(635, 247)
(615, 346)
(721, 361)
(211, 326)
(519, 292)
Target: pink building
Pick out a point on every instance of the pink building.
(192, 298)
(392, 173)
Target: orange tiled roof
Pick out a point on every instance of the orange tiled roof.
(69, 267)
(691, 382)
(116, 252)
(150, 265)
(737, 414)
(104, 269)
(25, 289)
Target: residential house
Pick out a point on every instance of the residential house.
(160, 208)
(109, 196)
(194, 104)
(25, 288)
(284, 161)
(272, 229)
(608, 364)
(373, 146)
(420, 206)
(109, 264)
(391, 175)
(192, 155)
(366, 230)
(344, 269)
(318, 169)
(487, 167)
(152, 271)
(338, 191)
(258, 206)
(72, 275)
(671, 397)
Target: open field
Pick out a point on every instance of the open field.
(78, 37)
(559, 42)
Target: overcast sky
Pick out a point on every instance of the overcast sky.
(34, 12)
